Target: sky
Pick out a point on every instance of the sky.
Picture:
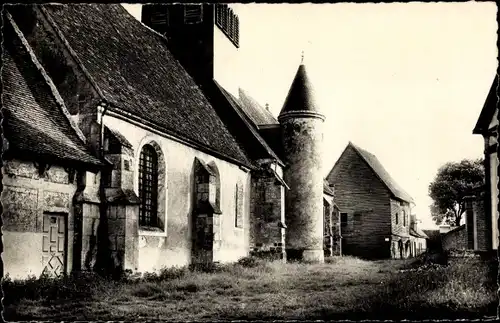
(405, 81)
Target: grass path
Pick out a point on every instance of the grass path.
(344, 289)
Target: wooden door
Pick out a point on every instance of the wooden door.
(54, 244)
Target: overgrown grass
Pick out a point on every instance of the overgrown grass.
(345, 287)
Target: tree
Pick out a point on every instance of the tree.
(454, 181)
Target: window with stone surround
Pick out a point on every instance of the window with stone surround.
(148, 186)
(207, 182)
(238, 215)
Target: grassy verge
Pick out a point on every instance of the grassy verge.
(345, 288)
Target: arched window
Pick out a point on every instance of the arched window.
(148, 186)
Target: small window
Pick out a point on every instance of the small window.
(397, 218)
(193, 13)
(343, 219)
(404, 219)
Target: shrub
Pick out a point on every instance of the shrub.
(172, 273)
(250, 262)
(47, 288)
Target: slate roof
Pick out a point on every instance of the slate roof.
(301, 94)
(256, 112)
(382, 174)
(119, 137)
(488, 111)
(34, 122)
(136, 73)
(236, 106)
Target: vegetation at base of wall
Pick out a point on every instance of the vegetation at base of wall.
(343, 288)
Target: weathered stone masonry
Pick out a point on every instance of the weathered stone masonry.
(30, 198)
(302, 139)
(267, 215)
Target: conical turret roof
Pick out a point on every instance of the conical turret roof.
(301, 94)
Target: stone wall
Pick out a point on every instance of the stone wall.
(483, 235)
(455, 239)
(267, 237)
(28, 196)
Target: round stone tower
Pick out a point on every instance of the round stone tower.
(302, 136)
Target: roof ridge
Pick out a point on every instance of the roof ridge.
(53, 89)
(251, 106)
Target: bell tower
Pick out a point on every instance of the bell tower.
(203, 37)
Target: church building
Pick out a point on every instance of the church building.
(131, 146)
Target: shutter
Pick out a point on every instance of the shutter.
(160, 18)
(230, 24)
(218, 14)
(236, 30)
(193, 14)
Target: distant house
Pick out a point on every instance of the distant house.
(487, 126)
(418, 239)
(375, 210)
